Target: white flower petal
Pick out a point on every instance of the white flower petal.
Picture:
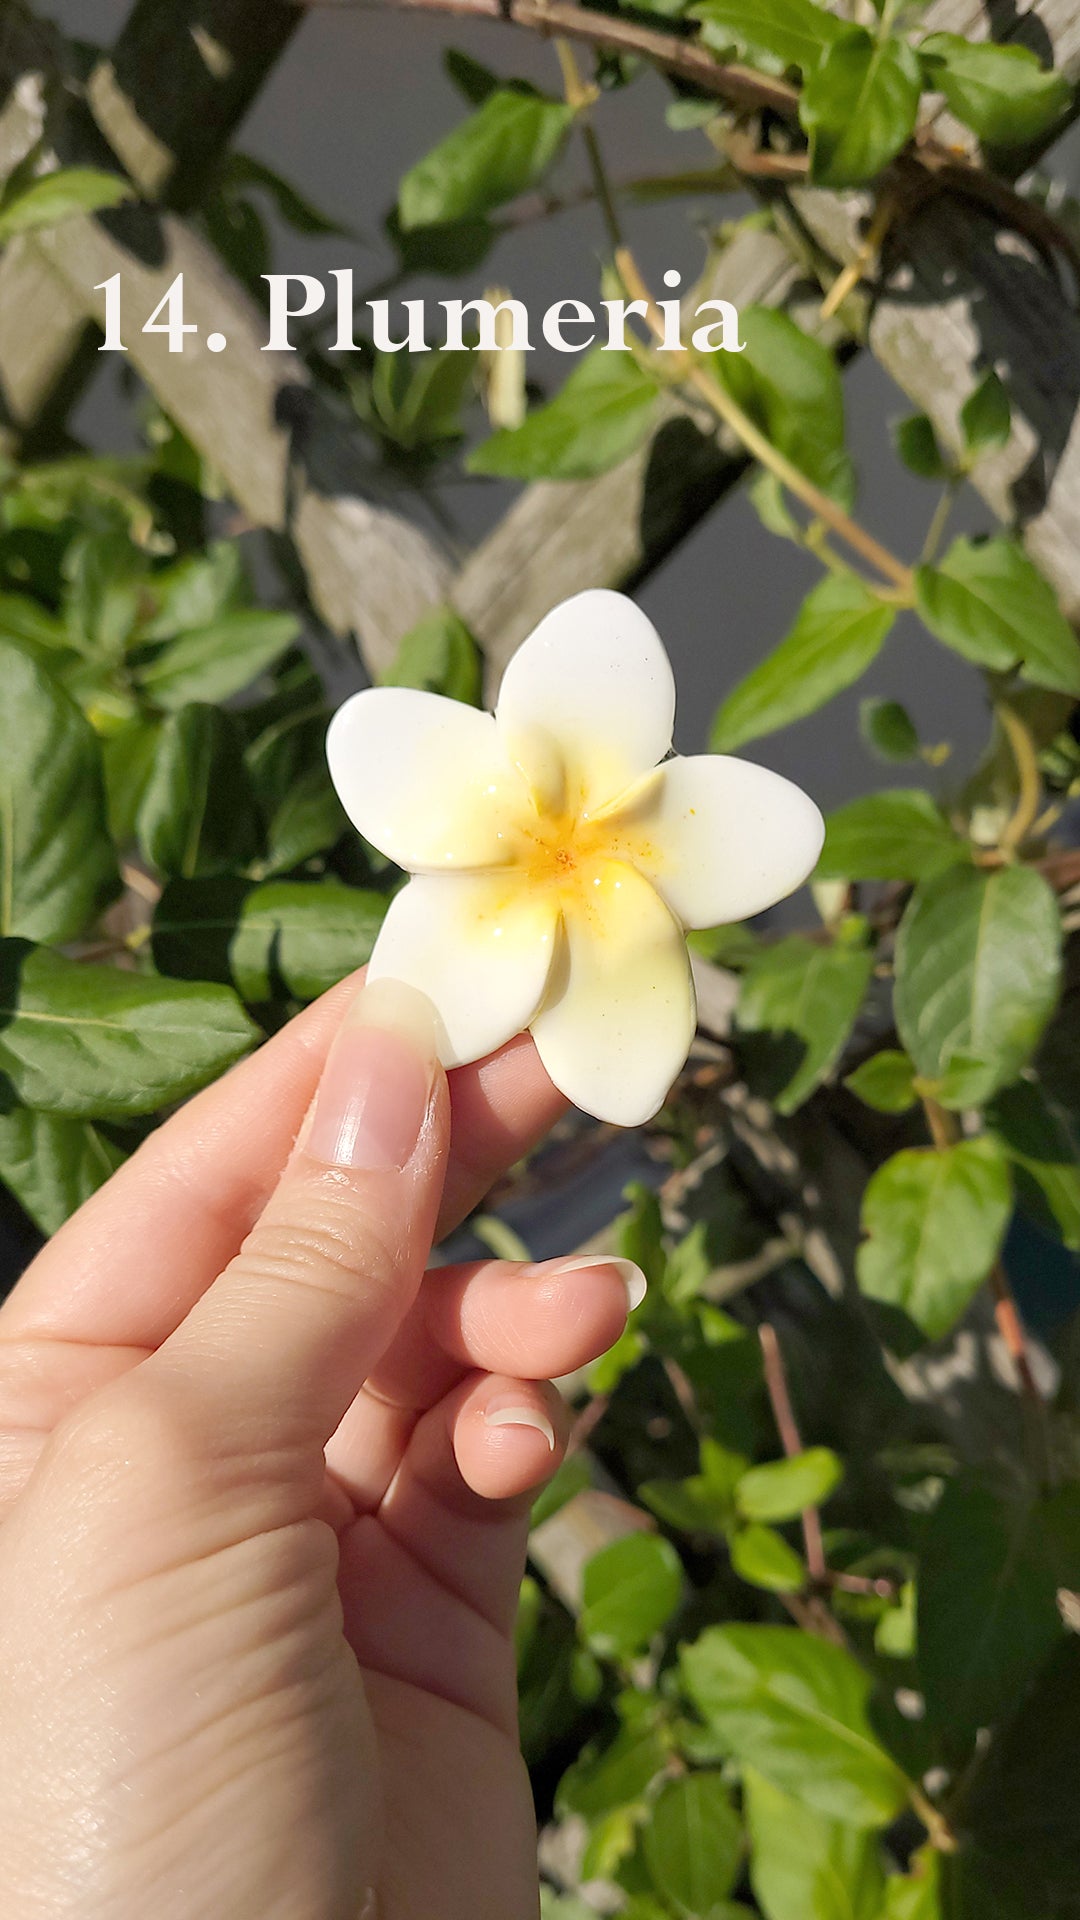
(618, 1017)
(720, 838)
(425, 779)
(593, 683)
(479, 945)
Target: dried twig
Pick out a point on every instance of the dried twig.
(784, 1414)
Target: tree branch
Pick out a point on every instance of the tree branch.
(740, 86)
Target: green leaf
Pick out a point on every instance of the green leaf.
(978, 966)
(52, 1165)
(241, 236)
(1003, 94)
(52, 197)
(1021, 1810)
(291, 937)
(106, 579)
(762, 1558)
(416, 399)
(216, 661)
(894, 1634)
(988, 602)
(885, 1082)
(630, 1591)
(555, 1906)
(57, 866)
(597, 418)
(26, 620)
(286, 765)
(1042, 1149)
(438, 655)
(569, 1479)
(934, 1220)
(774, 34)
(197, 814)
(917, 445)
(504, 148)
(242, 171)
(617, 1776)
(966, 1082)
(993, 1559)
(470, 77)
(794, 1707)
(693, 1843)
(101, 1043)
(458, 246)
(888, 729)
(782, 1489)
(901, 835)
(859, 107)
(839, 630)
(196, 591)
(704, 1503)
(986, 416)
(803, 1866)
(128, 758)
(808, 994)
(916, 1895)
(791, 386)
(639, 1233)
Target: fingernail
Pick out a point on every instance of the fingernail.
(375, 1089)
(511, 1416)
(628, 1271)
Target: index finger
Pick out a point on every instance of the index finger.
(129, 1266)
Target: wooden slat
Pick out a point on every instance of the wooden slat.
(287, 459)
(962, 295)
(562, 536)
(181, 76)
(962, 292)
(285, 456)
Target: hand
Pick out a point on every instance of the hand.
(264, 1499)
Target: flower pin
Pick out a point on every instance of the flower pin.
(558, 857)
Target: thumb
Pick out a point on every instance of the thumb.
(286, 1335)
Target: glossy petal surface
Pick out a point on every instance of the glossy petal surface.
(618, 1018)
(425, 779)
(479, 945)
(589, 694)
(720, 838)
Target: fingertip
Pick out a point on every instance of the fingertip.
(534, 1321)
(509, 1437)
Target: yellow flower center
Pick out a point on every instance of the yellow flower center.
(565, 849)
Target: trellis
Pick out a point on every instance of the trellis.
(951, 299)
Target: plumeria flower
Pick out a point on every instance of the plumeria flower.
(558, 853)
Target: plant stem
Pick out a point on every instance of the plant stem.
(1029, 798)
(938, 1830)
(580, 98)
(847, 280)
(645, 188)
(942, 1124)
(784, 1414)
(760, 446)
(938, 523)
(1011, 1327)
(687, 58)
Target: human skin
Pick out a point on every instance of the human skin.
(260, 1546)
